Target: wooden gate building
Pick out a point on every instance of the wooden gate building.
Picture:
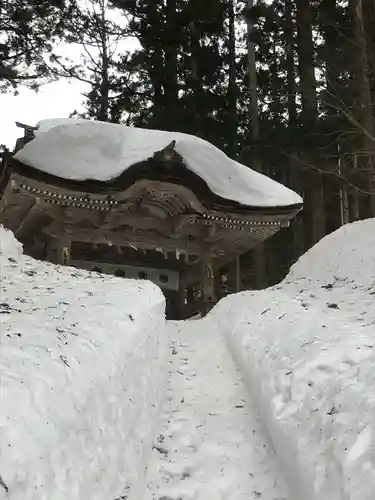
(138, 203)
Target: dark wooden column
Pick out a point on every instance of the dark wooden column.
(182, 295)
(50, 251)
(234, 276)
(208, 283)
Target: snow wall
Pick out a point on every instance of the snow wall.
(83, 366)
(307, 351)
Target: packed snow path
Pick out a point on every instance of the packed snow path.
(210, 445)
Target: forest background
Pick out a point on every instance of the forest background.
(285, 87)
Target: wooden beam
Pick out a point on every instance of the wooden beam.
(26, 127)
(139, 241)
(114, 220)
(4, 166)
(7, 194)
(111, 220)
(28, 222)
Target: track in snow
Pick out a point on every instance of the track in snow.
(211, 445)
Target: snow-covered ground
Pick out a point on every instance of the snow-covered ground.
(211, 444)
(307, 350)
(84, 361)
(82, 369)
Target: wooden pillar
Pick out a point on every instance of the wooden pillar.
(235, 276)
(50, 251)
(182, 296)
(218, 283)
(208, 284)
(238, 274)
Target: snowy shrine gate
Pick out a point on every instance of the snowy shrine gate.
(157, 220)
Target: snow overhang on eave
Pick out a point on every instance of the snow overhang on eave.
(113, 188)
(100, 156)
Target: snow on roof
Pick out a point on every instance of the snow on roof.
(87, 150)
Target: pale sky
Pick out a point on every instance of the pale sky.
(53, 100)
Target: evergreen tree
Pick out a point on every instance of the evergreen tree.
(28, 30)
(285, 87)
(99, 39)
(182, 67)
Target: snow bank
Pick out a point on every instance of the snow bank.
(346, 255)
(83, 149)
(82, 363)
(307, 350)
(9, 247)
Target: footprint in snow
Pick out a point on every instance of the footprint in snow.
(175, 471)
(170, 498)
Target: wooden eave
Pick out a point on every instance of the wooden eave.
(157, 204)
(154, 169)
(148, 214)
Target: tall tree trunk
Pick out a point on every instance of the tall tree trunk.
(344, 195)
(170, 84)
(364, 113)
(103, 112)
(369, 16)
(354, 199)
(335, 214)
(295, 180)
(235, 267)
(260, 260)
(291, 69)
(232, 86)
(156, 55)
(252, 84)
(332, 70)
(306, 62)
(314, 199)
(196, 79)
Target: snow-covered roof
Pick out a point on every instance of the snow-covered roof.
(87, 150)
